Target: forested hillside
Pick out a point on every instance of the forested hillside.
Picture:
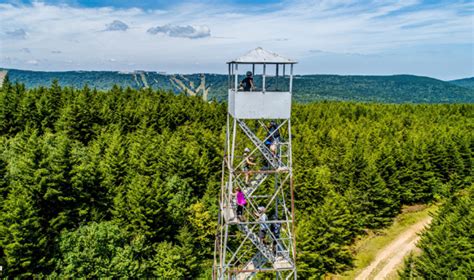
(124, 182)
(387, 89)
(307, 88)
(467, 83)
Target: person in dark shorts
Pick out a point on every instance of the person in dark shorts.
(272, 140)
(247, 82)
(241, 201)
(275, 228)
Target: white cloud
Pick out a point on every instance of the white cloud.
(291, 28)
(19, 33)
(185, 31)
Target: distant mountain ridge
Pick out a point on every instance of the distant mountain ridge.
(467, 82)
(307, 88)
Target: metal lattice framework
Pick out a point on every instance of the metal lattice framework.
(246, 245)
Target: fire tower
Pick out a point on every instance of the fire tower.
(257, 161)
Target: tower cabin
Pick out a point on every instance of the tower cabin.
(270, 98)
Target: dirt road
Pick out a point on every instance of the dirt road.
(388, 259)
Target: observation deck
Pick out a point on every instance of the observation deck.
(259, 104)
(269, 97)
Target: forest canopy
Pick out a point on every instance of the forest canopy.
(125, 182)
(447, 248)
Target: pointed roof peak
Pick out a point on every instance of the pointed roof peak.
(259, 55)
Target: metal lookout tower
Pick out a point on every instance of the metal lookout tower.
(256, 218)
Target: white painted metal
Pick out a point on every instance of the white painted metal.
(239, 251)
(263, 77)
(259, 105)
(236, 73)
(291, 78)
(259, 55)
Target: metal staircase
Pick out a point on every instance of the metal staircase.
(266, 252)
(255, 263)
(279, 257)
(254, 184)
(269, 156)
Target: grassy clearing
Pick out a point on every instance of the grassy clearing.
(366, 248)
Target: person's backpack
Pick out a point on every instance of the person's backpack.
(275, 135)
(275, 228)
(246, 83)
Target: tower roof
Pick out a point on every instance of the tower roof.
(260, 55)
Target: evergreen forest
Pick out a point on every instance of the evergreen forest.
(124, 183)
(446, 248)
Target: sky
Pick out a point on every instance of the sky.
(347, 37)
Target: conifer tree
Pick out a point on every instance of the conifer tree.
(78, 118)
(23, 239)
(58, 200)
(93, 200)
(9, 99)
(168, 262)
(387, 166)
(313, 186)
(48, 105)
(324, 235)
(186, 240)
(114, 163)
(203, 224)
(4, 189)
(26, 113)
(447, 247)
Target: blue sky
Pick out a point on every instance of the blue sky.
(143, 4)
(368, 37)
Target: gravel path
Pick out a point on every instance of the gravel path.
(388, 259)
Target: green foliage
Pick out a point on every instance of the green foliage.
(9, 103)
(204, 226)
(78, 119)
(124, 183)
(447, 247)
(22, 237)
(325, 235)
(100, 250)
(3, 171)
(376, 157)
(169, 262)
(76, 164)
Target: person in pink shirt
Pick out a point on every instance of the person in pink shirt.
(241, 201)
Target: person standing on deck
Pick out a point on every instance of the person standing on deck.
(247, 82)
